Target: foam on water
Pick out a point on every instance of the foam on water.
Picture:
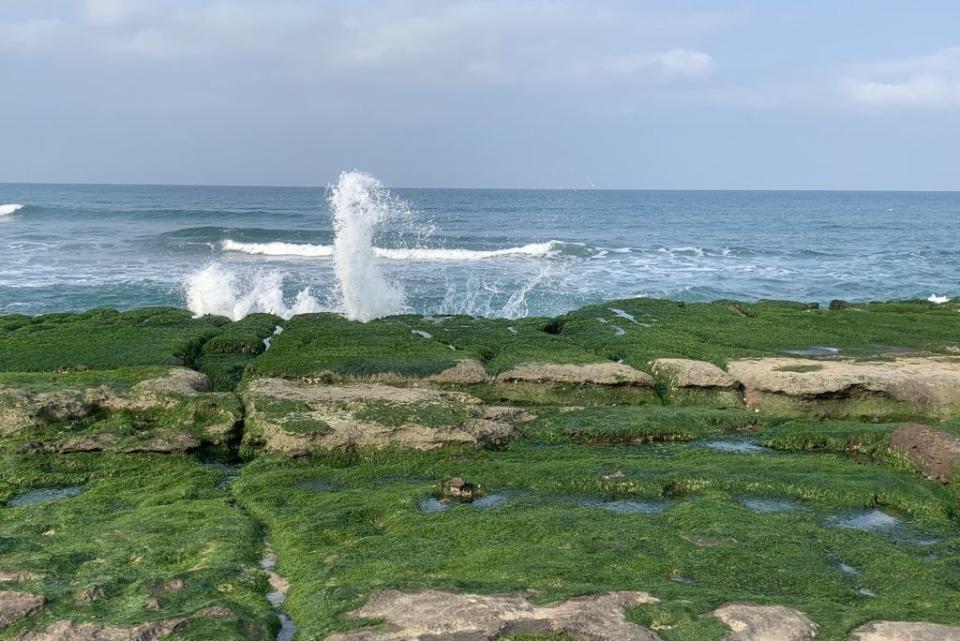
(218, 289)
(532, 250)
(12, 208)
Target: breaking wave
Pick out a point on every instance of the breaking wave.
(547, 249)
(12, 208)
(219, 290)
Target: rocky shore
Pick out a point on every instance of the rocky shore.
(637, 470)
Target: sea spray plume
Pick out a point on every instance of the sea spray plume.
(12, 208)
(216, 289)
(360, 203)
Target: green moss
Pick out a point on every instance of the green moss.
(637, 424)
(365, 532)
(832, 436)
(721, 330)
(522, 393)
(439, 414)
(103, 339)
(314, 344)
(120, 380)
(141, 521)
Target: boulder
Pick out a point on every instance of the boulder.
(684, 372)
(449, 616)
(903, 631)
(926, 385)
(465, 372)
(935, 452)
(18, 605)
(297, 418)
(70, 631)
(748, 622)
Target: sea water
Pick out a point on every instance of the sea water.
(361, 249)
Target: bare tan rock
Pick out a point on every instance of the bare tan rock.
(70, 631)
(903, 631)
(927, 383)
(339, 416)
(447, 616)
(466, 372)
(178, 380)
(936, 452)
(18, 605)
(607, 373)
(684, 372)
(748, 622)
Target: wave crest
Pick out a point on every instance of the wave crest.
(547, 249)
(12, 208)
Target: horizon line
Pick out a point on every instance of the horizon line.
(475, 188)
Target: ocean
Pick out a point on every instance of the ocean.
(358, 248)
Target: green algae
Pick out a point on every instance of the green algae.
(103, 339)
(143, 523)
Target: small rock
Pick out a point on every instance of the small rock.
(459, 489)
(749, 622)
(18, 605)
(152, 604)
(837, 305)
(218, 612)
(90, 594)
(685, 372)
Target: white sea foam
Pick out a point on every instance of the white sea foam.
(533, 250)
(938, 300)
(217, 289)
(12, 208)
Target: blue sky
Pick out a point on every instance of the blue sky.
(526, 93)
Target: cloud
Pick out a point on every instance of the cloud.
(442, 42)
(923, 83)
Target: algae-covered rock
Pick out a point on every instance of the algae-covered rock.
(905, 631)
(749, 622)
(903, 386)
(449, 616)
(135, 410)
(296, 418)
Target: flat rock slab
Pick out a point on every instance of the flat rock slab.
(936, 452)
(903, 631)
(70, 631)
(926, 383)
(606, 373)
(298, 417)
(446, 616)
(748, 622)
(18, 605)
(684, 372)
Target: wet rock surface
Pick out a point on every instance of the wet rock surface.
(449, 616)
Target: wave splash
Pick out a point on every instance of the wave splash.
(534, 250)
(221, 291)
(12, 208)
(360, 203)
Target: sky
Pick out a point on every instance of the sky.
(483, 93)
